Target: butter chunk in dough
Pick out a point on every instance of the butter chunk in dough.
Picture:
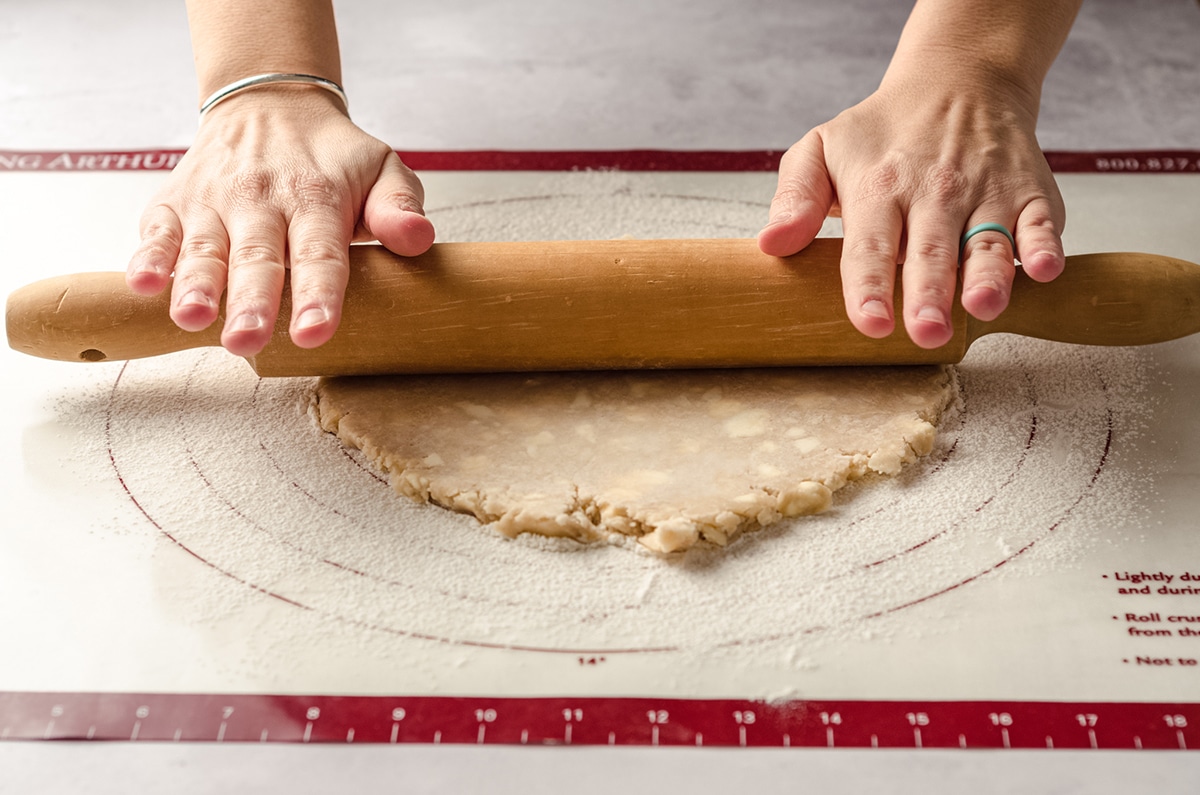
(668, 457)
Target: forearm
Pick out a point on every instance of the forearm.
(985, 43)
(233, 39)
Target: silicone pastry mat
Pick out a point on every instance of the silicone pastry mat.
(185, 556)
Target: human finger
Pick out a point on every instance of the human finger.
(802, 199)
(152, 264)
(930, 273)
(255, 280)
(394, 211)
(200, 271)
(870, 250)
(318, 245)
(1039, 238)
(988, 253)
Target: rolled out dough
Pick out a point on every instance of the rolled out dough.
(668, 457)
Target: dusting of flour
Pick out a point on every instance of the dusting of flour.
(1019, 479)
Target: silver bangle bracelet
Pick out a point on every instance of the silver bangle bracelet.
(238, 86)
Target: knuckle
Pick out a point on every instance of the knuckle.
(945, 184)
(318, 250)
(872, 284)
(156, 251)
(993, 250)
(405, 198)
(316, 295)
(934, 251)
(1042, 221)
(255, 298)
(250, 253)
(253, 185)
(158, 230)
(989, 268)
(886, 178)
(871, 250)
(933, 293)
(157, 235)
(201, 248)
(791, 193)
(202, 280)
(314, 189)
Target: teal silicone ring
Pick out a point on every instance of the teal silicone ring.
(1001, 228)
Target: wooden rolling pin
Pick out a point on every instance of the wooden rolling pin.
(477, 307)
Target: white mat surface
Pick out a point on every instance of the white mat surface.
(97, 598)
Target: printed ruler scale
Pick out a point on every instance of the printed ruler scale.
(174, 717)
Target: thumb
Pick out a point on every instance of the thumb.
(393, 213)
(802, 199)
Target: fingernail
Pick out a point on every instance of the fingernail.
(931, 314)
(313, 316)
(876, 308)
(196, 298)
(246, 322)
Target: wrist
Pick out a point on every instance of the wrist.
(271, 79)
(277, 100)
(969, 79)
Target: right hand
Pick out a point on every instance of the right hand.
(909, 170)
(278, 177)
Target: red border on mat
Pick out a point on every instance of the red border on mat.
(1149, 161)
(212, 717)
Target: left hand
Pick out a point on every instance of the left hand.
(909, 170)
(277, 178)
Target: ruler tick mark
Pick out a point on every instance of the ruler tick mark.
(699, 738)
(395, 731)
(742, 736)
(1049, 741)
(178, 735)
(1182, 742)
(91, 732)
(962, 741)
(917, 738)
(787, 741)
(874, 741)
(308, 732)
(220, 733)
(137, 728)
(1092, 738)
(612, 738)
(654, 735)
(525, 735)
(829, 736)
(350, 736)
(1004, 735)
(1137, 742)
(566, 735)
(437, 738)
(49, 730)
(262, 738)
(482, 732)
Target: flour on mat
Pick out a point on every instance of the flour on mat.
(1040, 462)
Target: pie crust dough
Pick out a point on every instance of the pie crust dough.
(670, 458)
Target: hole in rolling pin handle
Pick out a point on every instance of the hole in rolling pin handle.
(92, 355)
